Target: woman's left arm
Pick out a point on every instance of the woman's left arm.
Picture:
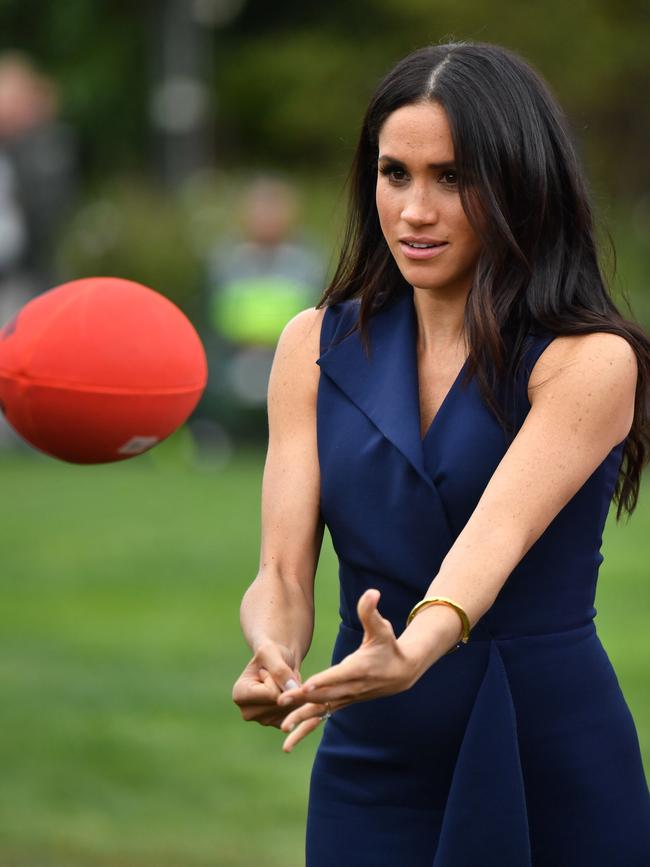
(582, 392)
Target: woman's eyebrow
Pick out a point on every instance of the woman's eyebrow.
(446, 165)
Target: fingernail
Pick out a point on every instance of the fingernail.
(285, 699)
(291, 684)
(291, 727)
(309, 687)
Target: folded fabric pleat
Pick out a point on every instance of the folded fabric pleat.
(485, 821)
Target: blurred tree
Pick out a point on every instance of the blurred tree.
(294, 79)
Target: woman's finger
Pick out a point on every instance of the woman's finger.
(306, 712)
(343, 691)
(328, 685)
(252, 692)
(299, 733)
(374, 625)
(347, 670)
(270, 684)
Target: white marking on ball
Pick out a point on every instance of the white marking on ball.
(136, 445)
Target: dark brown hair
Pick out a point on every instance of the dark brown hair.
(529, 204)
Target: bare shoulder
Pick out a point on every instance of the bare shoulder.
(589, 355)
(597, 370)
(300, 337)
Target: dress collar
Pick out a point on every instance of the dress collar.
(385, 386)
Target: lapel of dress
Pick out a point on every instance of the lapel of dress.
(384, 386)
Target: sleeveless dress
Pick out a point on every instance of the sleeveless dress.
(517, 749)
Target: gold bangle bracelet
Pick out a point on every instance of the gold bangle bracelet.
(443, 600)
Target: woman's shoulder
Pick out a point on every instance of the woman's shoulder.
(309, 333)
(299, 340)
(304, 321)
(597, 370)
(591, 353)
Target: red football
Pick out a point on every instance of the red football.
(99, 370)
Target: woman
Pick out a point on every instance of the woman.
(460, 415)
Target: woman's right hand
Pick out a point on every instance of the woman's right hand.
(272, 670)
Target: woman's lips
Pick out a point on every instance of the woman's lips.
(422, 252)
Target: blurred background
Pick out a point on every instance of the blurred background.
(201, 147)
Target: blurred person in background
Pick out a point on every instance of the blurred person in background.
(37, 185)
(255, 284)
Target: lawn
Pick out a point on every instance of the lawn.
(119, 645)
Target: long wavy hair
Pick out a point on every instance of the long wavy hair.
(524, 193)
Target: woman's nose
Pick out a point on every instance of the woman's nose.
(420, 208)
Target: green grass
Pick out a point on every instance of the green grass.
(119, 645)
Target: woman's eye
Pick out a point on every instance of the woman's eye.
(396, 175)
(390, 172)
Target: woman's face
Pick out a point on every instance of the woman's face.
(418, 201)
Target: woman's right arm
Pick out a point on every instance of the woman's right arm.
(277, 610)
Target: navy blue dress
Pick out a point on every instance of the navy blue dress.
(518, 749)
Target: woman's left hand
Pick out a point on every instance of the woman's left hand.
(379, 667)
